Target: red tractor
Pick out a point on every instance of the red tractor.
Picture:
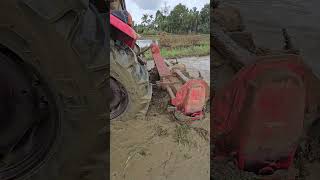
(129, 78)
(265, 100)
(129, 81)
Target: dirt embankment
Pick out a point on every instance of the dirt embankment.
(193, 65)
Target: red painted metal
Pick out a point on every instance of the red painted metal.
(259, 115)
(131, 35)
(189, 96)
(162, 68)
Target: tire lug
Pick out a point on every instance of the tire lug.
(35, 83)
(24, 92)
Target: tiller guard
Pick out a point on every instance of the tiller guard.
(260, 114)
(188, 96)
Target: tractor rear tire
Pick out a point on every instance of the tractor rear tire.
(50, 44)
(133, 80)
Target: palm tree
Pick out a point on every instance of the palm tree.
(144, 19)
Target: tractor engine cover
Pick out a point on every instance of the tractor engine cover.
(260, 114)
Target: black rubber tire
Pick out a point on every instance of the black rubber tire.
(47, 36)
(134, 77)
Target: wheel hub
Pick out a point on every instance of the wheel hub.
(16, 106)
(120, 99)
(28, 117)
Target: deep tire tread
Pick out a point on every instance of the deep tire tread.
(137, 84)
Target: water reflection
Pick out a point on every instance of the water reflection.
(142, 43)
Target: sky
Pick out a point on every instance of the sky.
(139, 7)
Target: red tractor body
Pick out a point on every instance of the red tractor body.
(127, 35)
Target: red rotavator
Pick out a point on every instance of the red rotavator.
(259, 115)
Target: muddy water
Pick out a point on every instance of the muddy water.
(265, 18)
(193, 65)
(143, 43)
(148, 149)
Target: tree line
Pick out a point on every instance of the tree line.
(180, 20)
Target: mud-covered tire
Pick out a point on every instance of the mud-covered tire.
(134, 77)
(54, 39)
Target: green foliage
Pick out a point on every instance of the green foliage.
(177, 46)
(205, 19)
(180, 20)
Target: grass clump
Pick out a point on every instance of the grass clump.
(181, 135)
(168, 53)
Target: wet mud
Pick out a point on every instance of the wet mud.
(159, 147)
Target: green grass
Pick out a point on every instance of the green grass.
(178, 46)
(181, 135)
(179, 52)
